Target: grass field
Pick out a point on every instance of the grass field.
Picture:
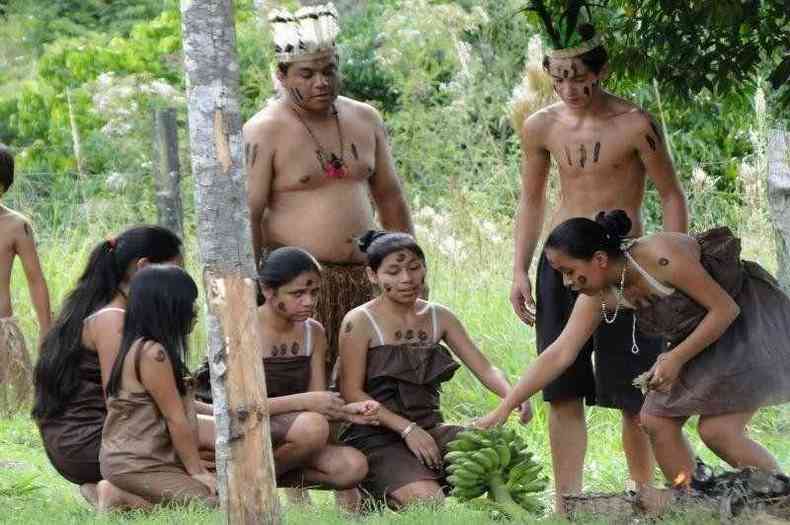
(469, 258)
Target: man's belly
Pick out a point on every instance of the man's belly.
(327, 228)
(569, 210)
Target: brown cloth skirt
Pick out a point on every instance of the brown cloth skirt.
(393, 466)
(343, 288)
(16, 371)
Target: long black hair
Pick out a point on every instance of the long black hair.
(284, 265)
(6, 168)
(57, 374)
(378, 244)
(580, 237)
(161, 308)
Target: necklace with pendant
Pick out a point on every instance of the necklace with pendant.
(618, 294)
(333, 166)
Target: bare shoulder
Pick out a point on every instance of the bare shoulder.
(659, 250)
(268, 120)
(359, 110)
(14, 225)
(316, 327)
(153, 352)
(356, 320)
(538, 123)
(630, 114)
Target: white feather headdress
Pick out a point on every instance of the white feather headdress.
(307, 34)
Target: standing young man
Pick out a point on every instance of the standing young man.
(16, 240)
(318, 163)
(604, 148)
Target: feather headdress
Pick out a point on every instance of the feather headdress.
(306, 34)
(569, 34)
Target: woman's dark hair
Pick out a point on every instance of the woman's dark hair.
(581, 238)
(594, 59)
(161, 308)
(6, 168)
(284, 265)
(377, 245)
(57, 374)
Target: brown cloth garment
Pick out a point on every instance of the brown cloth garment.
(137, 452)
(405, 379)
(72, 438)
(749, 365)
(285, 376)
(16, 371)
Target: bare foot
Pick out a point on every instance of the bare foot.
(349, 500)
(655, 501)
(90, 493)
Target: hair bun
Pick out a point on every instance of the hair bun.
(615, 222)
(367, 239)
(586, 31)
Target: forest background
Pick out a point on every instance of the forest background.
(445, 75)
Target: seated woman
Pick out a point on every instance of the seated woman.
(391, 351)
(79, 350)
(726, 322)
(149, 452)
(294, 355)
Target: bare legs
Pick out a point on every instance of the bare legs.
(425, 491)
(111, 497)
(638, 452)
(568, 438)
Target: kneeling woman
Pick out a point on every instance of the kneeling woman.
(293, 347)
(149, 452)
(726, 321)
(391, 351)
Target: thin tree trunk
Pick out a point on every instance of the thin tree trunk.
(167, 171)
(778, 153)
(75, 135)
(245, 468)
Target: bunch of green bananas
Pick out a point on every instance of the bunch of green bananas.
(495, 462)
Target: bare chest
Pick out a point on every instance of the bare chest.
(590, 150)
(310, 158)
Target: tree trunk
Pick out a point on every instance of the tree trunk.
(167, 171)
(778, 154)
(75, 135)
(245, 468)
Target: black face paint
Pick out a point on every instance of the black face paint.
(582, 280)
(354, 151)
(586, 91)
(568, 155)
(651, 142)
(295, 348)
(573, 68)
(387, 288)
(663, 261)
(281, 307)
(582, 155)
(254, 155)
(401, 257)
(409, 334)
(296, 95)
(596, 151)
(655, 130)
(564, 73)
(309, 282)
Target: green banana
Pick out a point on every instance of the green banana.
(503, 451)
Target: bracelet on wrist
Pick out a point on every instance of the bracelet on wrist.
(406, 431)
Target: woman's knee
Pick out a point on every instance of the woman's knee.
(418, 492)
(656, 425)
(715, 434)
(351, 467)
(309, 430)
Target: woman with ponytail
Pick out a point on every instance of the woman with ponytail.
(725, 320)
(392, 350)
(79, 350)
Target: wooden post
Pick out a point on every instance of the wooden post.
(167, 171)
(778, 153)
(245, 468)
(76, 141)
